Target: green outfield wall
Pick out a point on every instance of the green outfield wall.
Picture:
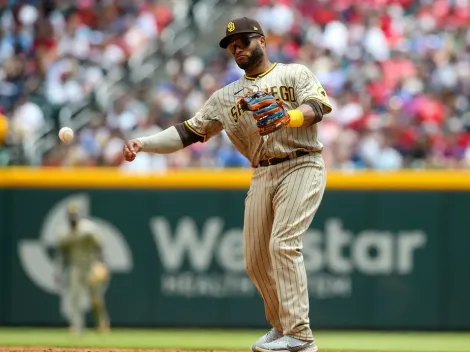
(386, 257)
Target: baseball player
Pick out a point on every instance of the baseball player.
(270, 115)
(80, 249)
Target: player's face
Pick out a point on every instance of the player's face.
(247, 50)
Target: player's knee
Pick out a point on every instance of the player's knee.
(250, 266)
(281, 247)
(96, 302)
(251, 258)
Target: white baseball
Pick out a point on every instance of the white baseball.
(66, 134)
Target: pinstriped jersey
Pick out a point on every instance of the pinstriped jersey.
(294, 84)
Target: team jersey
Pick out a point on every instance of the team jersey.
(294, 84)
(81, 247)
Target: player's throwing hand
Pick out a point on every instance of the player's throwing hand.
(131, 148)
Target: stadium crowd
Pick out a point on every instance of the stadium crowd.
(56, 52)
(397, 73)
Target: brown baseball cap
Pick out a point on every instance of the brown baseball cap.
(240, 25)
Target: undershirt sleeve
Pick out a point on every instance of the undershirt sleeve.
(164, 142)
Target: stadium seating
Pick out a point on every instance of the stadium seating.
(397, 73)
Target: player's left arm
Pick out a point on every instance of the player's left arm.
(99, 270)
(99, 247)
(60, 253)
(98, 242)
(92, 230)
(311, 97)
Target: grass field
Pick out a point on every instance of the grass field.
(163, 339)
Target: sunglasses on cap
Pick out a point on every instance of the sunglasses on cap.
(242, 42)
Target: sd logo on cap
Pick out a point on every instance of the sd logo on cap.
(240, 25)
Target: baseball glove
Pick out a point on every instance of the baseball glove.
(99, 273)
(269, 113)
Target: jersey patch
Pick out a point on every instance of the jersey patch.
(322, 92)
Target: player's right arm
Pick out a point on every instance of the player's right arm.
(310, 96)
(200, 128)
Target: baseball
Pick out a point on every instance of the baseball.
(66, 134)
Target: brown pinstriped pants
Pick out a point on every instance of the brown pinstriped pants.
(279, 208)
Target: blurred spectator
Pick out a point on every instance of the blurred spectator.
(3, 128)
(27, 119)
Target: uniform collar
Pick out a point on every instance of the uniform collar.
(263, 73)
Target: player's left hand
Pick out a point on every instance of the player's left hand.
(269, 113)
(99, 273)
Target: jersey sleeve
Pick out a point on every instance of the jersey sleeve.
(307, 87)
(205, 122)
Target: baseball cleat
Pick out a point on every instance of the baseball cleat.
(103, 327)
(270, 336)
(287, 344)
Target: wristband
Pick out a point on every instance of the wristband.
(296, 118)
